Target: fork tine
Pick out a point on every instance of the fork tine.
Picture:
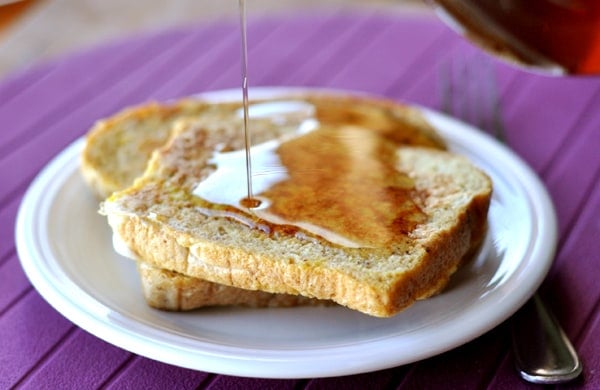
(444, 88)
(496, 126)
(468, 91)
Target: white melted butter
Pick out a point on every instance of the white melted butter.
(227, 184)
(122, 249)
(119, 245)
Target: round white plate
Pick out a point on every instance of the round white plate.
(65, 249)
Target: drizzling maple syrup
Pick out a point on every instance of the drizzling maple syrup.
(343, 179)
(249, 201)
(336, 179)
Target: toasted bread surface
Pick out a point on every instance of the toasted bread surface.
(117, 148)
(159, 218)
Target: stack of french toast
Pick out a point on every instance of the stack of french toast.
(359, 202)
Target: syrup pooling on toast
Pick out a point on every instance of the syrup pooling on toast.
(334, 178)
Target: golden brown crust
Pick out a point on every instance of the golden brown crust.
(168, 290)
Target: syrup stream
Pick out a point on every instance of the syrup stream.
(249, 201)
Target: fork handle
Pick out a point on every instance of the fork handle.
(542, 351)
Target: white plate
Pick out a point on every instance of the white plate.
(65, 249)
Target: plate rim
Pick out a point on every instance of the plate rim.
(266, 365)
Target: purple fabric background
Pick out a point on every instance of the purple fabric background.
(553, 123)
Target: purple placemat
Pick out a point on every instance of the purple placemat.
(551, 123)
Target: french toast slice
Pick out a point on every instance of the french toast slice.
(116, 152)
(161, 220)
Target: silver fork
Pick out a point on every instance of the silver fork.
(542, 351)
